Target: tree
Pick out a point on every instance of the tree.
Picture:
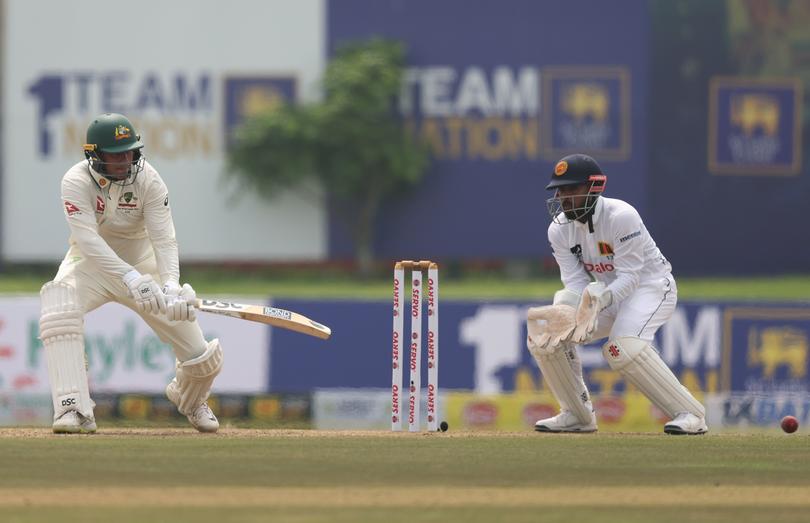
(353, 142)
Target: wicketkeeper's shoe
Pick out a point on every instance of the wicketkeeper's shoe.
(202, 418)
(71, 422)
(565, 422)
(686, 423)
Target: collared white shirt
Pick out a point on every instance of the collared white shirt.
(118, 226)
(619, 252)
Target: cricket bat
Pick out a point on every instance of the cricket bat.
(270, 315)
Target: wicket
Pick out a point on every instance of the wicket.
(415, 353)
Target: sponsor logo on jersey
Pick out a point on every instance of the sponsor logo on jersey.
(605, 249)
(71, 209)
(100, 204)
(629, 236)
(576, 250)
(599, 268)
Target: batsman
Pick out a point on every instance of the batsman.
(617, 286)
(122, 249)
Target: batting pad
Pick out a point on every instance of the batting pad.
(62, 333)
(637, 361)
(195, 377)
(562, 371)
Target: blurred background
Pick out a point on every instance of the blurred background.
(308, 145)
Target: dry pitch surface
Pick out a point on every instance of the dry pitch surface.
(299, 475)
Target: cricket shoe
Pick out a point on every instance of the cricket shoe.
(565, 421)
(71, 422)
(202, 418)
(686, 423)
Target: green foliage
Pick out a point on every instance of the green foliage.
(353, 142)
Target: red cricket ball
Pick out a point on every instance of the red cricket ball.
(790, 424)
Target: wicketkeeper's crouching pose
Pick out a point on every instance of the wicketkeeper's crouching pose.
(634, 293)
(122, 249)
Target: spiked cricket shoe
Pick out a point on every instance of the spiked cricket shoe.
(71, 422)
(686, 423)
(565, 421)
(202, 418)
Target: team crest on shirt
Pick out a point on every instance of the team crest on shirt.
(128, 201)
(606, 249)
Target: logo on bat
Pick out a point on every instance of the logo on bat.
(277, 313)
(221, 304)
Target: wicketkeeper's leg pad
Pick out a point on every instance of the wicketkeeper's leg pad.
(637, 362)
(61, 329)
(562, 371)
(192, 384)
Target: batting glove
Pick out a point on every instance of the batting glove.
(180, 301)
(145, 291)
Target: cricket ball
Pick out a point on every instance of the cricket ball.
(790, 424)
(443, 426)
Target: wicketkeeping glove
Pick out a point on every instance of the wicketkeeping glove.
(595, 297)
(548, 327)
(180, 301)
(145, 291)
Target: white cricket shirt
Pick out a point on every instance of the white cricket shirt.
(619, 252)
(118, 226)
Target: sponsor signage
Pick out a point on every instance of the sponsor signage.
(711, 347)
(756, 411)
(587, 109)
(497, 113)
(123, 354)
(755, 126)
(766, 349)
(185, 110)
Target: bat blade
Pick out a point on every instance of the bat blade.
(269, 315)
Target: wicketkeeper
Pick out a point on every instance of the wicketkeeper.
(617, 285)
(122, 249)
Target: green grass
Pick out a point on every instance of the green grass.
(479, 286)
(307, 476)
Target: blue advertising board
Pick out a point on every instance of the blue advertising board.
(499, 99)
(714, 348)
(246, 96)
(755, 126)
(727, 132)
